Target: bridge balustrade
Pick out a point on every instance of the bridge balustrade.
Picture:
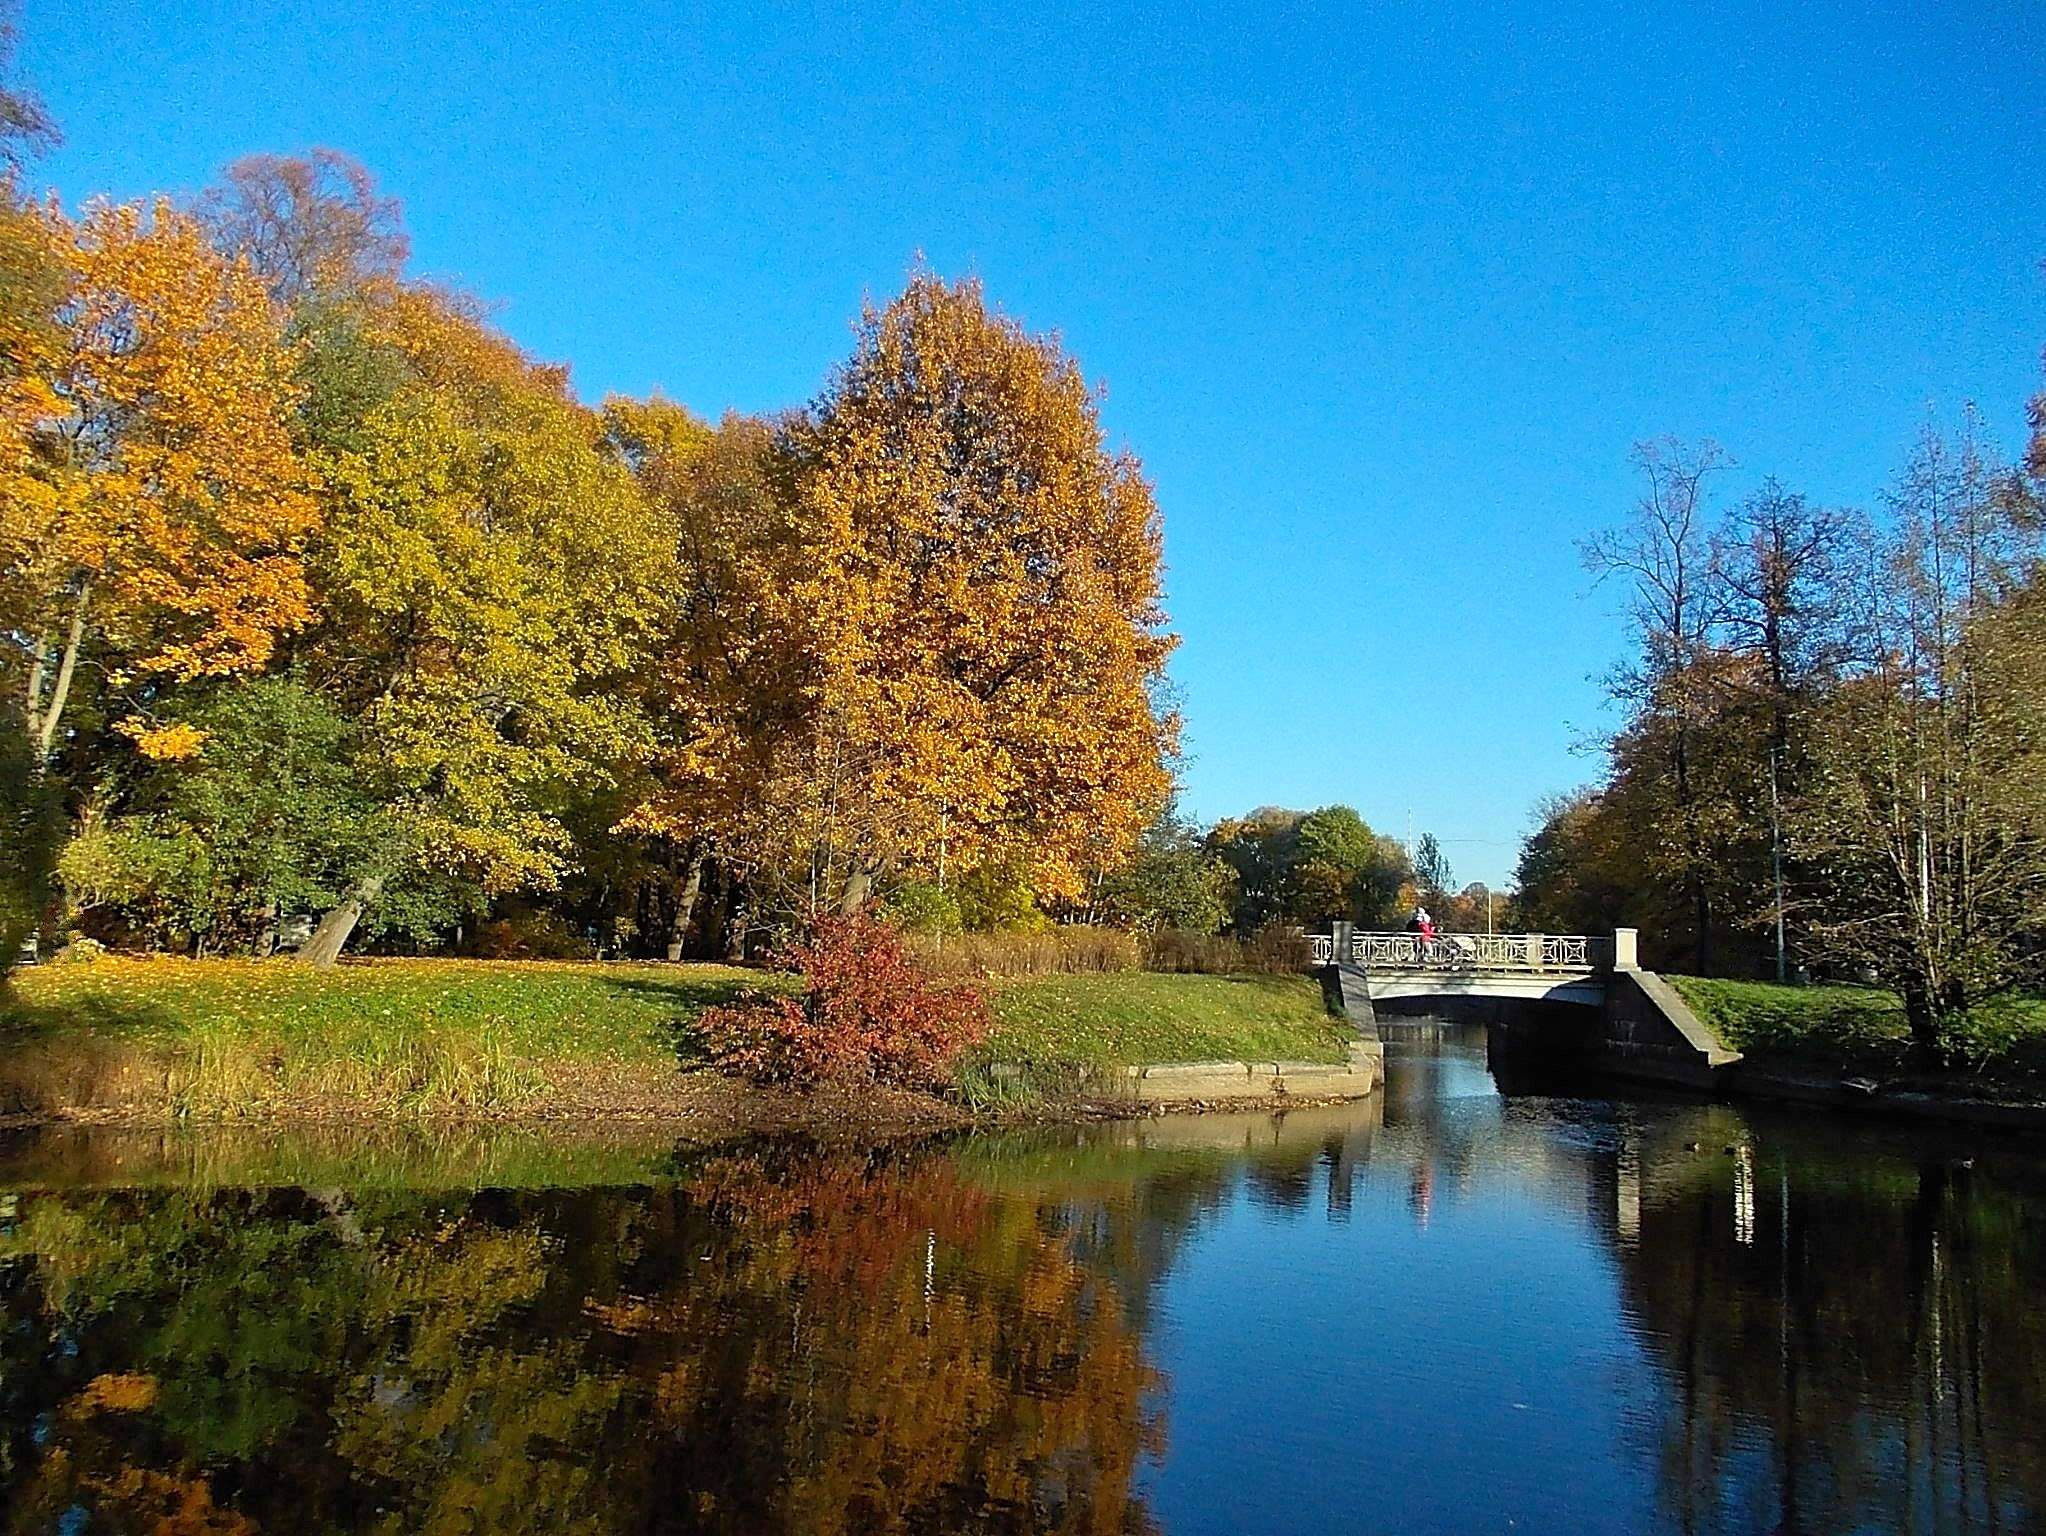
(1507, 953)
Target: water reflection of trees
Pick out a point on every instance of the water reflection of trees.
(1838, 1328)
(1848, 1341)
(777, 1342)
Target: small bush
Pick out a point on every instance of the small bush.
(870, 1014)
(524, 934)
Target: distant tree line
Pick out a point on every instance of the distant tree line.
(1831, 757)
(1290, 869)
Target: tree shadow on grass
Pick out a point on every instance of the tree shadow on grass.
(23, 1022)
(685, 997)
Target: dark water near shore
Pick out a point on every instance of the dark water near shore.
(1443, 1310)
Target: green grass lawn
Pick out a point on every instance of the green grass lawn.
(229, 1033)
(224, 1037)
(1863, 1027)
(1134, 1018)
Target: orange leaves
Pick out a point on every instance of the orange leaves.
(987, 589)
(126, 1392)
(160, 469)
(170, 743)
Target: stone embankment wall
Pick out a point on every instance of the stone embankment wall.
(1650, 1032)
(1187, 1082)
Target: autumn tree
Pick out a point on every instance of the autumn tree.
(155, 509)
(1661, 560)
(985, 582)
(1577, 871)
(730, 688)
(1777, 567)
(466, 625)
(1927, 817)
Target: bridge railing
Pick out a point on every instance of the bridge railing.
(1509, 953)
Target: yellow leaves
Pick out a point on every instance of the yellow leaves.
(170, 743)
(987, 593)
(158, 466)
(128, 1392)
(496, 572)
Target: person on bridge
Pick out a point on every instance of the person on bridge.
(1424, 925)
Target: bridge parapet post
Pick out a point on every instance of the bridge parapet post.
(1626, 949)
(1533, 941)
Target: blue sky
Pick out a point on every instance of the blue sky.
(1380, 296)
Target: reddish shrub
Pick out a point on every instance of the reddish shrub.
(870, 1013)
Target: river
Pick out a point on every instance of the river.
(1445, 1309)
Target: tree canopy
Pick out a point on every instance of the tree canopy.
(323, 598)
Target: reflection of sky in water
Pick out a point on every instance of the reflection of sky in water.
(1429, 1360)
(1440, 1331)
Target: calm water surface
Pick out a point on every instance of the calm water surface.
(1445, 1310)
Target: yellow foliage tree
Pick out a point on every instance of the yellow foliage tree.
(153, 506)
(490, 574)
(985, 582)
(733, 686)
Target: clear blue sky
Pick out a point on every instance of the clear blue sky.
(1381, 297)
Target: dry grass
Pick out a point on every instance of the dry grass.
(1064, 951)
(1274, 952)
(1083, 951)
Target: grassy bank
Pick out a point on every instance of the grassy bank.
(1863, 1028)
(1134, 1018)
(223, 1039)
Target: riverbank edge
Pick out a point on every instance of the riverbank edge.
(162, 1041)
(1789, 1080)
(1778, 1078)
(710, 1105)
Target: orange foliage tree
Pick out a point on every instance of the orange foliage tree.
(153, 506)
(985, 587)
(732, 685)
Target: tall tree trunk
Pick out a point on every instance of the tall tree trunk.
(685, 905)
(43, 718)
(324, 947)
(1922, 1017)
(859, 885)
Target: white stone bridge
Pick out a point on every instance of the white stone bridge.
(1540, 967)
(1631, 1022)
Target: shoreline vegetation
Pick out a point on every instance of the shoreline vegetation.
(155, 1038)
(1997, 1046)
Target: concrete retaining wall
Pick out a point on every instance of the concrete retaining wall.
(1650, 1032)
(1183, 1082)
